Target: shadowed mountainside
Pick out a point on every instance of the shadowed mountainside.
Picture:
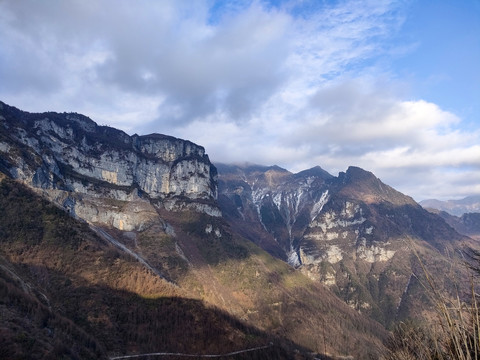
(468, 224)
(66, 292)
(79, 296)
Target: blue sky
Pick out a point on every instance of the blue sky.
(443, 66)
(390, 86)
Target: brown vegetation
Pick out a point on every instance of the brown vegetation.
(64, 292)
(453, 333)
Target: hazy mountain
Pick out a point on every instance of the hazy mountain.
(470, 204)
(467, 224)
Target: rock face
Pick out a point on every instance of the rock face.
(277, 205)
(352, 232)
(73, 161)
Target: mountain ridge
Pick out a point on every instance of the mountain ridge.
(469, 204)
(351, 227)
(286, 253)
(104, 290)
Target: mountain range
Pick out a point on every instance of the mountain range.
(116, 245)
(469, 204)
(463, 215)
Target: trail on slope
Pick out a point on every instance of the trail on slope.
(105, 235)
(191, 355)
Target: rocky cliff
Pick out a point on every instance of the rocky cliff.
(157, 262)
(353, 233)
(75, 162)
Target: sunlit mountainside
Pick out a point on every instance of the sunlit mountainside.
(115, 245)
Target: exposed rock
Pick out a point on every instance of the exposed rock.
(73, 161)
(353, 233)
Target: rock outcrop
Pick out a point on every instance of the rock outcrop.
(74, 162)
(353, 233)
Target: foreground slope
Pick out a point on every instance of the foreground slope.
(67, 292)
(153, 255)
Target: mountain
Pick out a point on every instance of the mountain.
(114, 244)
(66, 155)
(468, 224)
(66, 292)
(469, 204)
(353, 233)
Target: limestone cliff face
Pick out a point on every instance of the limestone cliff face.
(72, 160)
(275, 201)
(353, 233)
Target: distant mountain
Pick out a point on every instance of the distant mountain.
(468, 224)
(470, 204)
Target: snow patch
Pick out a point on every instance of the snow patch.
(318, 206)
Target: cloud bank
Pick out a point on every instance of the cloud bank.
(294, 83)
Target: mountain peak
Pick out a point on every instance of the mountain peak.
(355, 173)
(316, 171)
(363, 185)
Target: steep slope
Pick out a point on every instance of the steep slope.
(353, 233)
(153, 256)
(272, 205)
(67, 292)
(74, 162)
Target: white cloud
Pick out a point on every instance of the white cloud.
(250, 82)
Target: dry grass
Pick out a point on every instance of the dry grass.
(453, 334)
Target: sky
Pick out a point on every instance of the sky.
(390, 86)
